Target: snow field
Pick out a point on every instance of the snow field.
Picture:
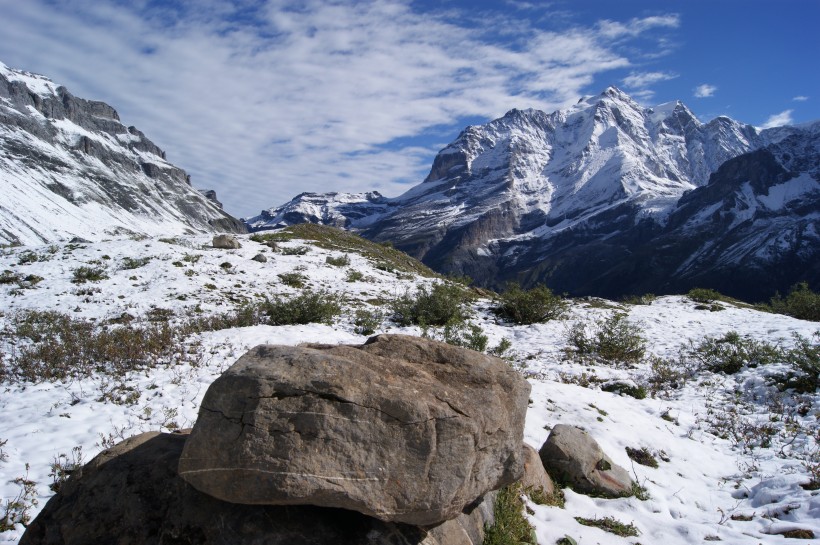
(692, 496)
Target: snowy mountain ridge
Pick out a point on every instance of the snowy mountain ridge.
(70, 168)
(520, 197)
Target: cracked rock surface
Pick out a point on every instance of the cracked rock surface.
(401, 428)
(131, 494)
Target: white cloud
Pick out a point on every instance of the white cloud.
(778, 120)
(263, 100)
(705, 90)
(637, 26)
(800, 98)
(641, 80)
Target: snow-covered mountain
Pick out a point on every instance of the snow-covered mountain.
(70, 168)
(534, 197)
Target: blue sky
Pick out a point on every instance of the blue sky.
(263, 99)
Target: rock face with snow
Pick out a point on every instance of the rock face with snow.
(335, 209)
(132, 494)
(583, 198)
(401, 428)
(69, 167)
(574, 458)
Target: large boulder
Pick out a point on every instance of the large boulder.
(401, 428)
(573, 458)
(131, 494)
(226, 242)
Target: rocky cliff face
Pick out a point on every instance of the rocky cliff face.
(69, 167)
(571, 198)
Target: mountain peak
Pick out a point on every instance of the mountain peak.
(72, 169)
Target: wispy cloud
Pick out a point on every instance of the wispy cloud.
(705, 90)
(640, 82)
(637, 26)
(262, 100)
(800, 98)
(778, 120)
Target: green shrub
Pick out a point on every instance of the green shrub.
(342, 261)
(666, 374)
(611, 525)
(307, 307)
(134, 263)
(704, 295)
(32, 257)
(296, 250)
(532, 306)
(438, 305)
(461, 333)
(353, 275)
(626, 388)
(540, 497)
(30, 280)
(510, 526)
(801, 302)
(9, 277)
(63, 466)
(293, 279)
(805, 360)
(61, 347)
(642, 456)
(645, 299)
(731, 353)
(501, 348)
(612, 340)
(366, 322)
(81, 275)
(17, 510)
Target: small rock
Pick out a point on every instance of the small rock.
(572, 457)
(401, 428)
(226, 242)
(535, 476)
(260, 258)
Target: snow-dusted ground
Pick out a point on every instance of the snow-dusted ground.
(693, 495)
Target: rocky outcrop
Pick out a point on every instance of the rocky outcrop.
(574, 458)
(401, 428)
(132, 494)
(101, 178)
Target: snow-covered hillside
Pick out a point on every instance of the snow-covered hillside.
(69, 168)
(733, 450)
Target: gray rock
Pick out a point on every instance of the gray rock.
(468, 528)
(260, 258)
(535, 476)
(131, 494)
(401, 428)
(573, 458)
(226, 242)
(134, 179)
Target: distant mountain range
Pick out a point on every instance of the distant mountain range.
(70, 168)
(605, 198)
